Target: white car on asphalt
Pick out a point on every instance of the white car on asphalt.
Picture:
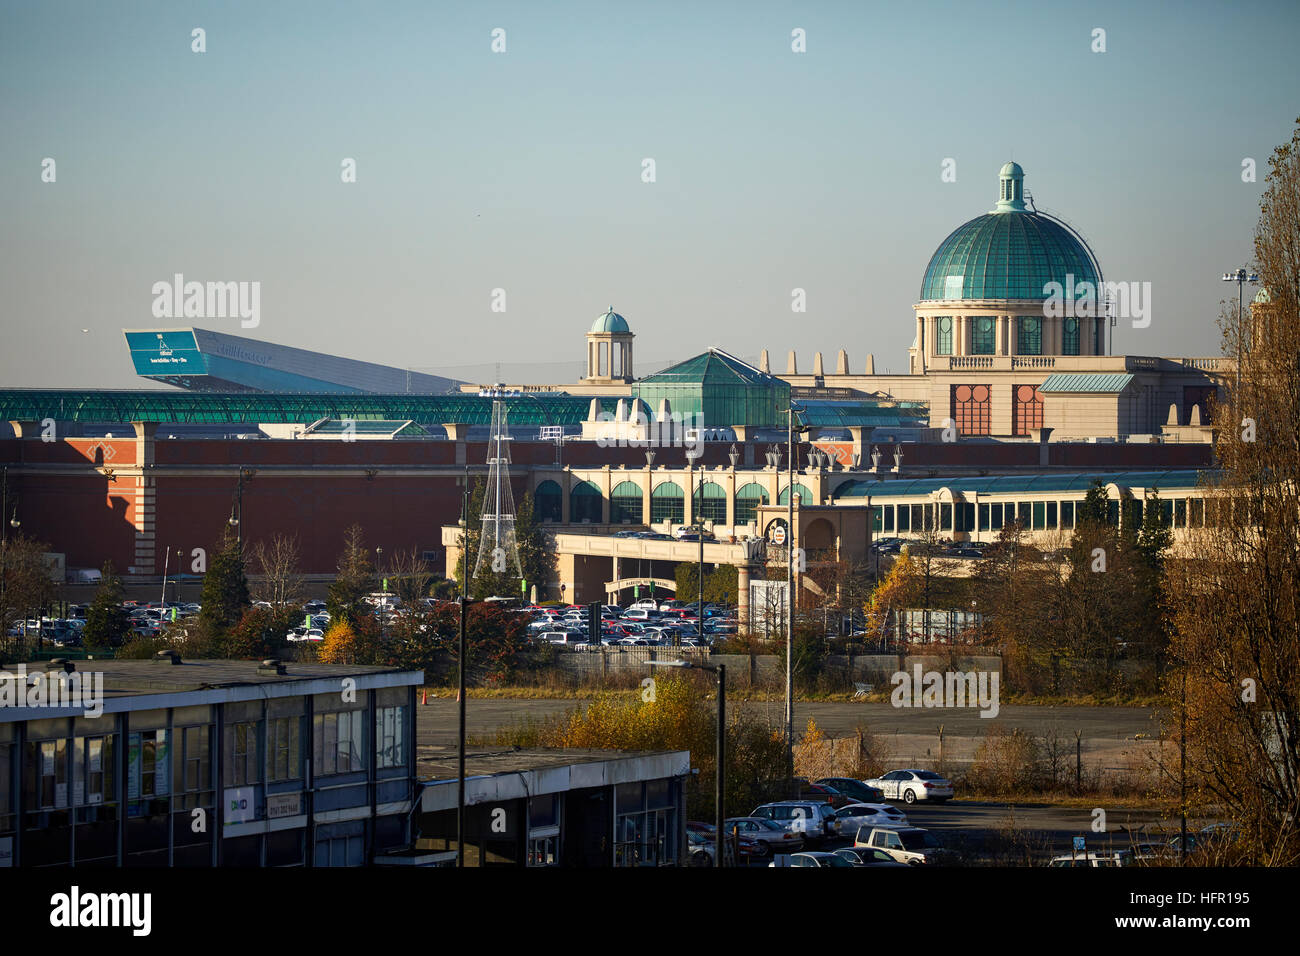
(912, 785)
(857, 815)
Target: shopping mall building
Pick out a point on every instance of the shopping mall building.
(1010, 407)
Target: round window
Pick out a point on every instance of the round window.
(1072, 325)
(980, 393)
(945, 324)
(963, 393)
(1026, 393)
(984, 325)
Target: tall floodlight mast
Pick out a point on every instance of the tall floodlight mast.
(498, 547)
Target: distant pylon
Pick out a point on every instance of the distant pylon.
(498, 549)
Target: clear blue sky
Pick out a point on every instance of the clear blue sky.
(522, 170)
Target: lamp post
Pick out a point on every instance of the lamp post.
(1241, 277)
(697, 508)
(721, 775)
(237, 513)
(14, 523)
(460, 681)
(789, 593)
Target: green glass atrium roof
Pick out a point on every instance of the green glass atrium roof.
(714, 367)
(278, 408)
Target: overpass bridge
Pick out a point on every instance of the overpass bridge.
(592, 566)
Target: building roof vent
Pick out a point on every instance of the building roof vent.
(168, 656)
(272, 666)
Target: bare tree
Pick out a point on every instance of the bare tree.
(276, 576)
(1234, 689)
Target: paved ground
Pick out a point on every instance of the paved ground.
(1035, 831)
(1110, 734)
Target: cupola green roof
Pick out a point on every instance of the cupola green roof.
(1012, 252)
(610, 321)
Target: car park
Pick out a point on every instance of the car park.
(777, 838)
(814, 821)
(812, 858)
(912, 785)
(855, 790)
(1094, 858)
(911, 845)
(866, 856)
(857, 815)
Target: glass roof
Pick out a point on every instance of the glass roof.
(994, 485)
(278, 408)
(1007, 255)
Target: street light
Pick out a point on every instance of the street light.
(721, 777)
(1241, 277)
(789, 594)
(697, 509)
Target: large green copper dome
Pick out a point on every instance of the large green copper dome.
(1010, 253)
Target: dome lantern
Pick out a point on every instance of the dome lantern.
(1011, 189)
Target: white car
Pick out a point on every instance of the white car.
(905, 844)
(856, 815)
(912, 785)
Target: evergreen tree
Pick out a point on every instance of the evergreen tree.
(107, 621)
(356, 578)
(225, 588)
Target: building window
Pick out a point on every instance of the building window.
(585, 503)
(625, 503)
(390, 737)
(336, 742)
(283, 737)
(971, 409)
(548, 502)
(1028, 409)
(983, 338)
(1029, 335)
(748, 498)
(710, 503)
(241, 754)
(667, 503)
(801, 491)
(943, 335)
(1070, 337)
(193, 764)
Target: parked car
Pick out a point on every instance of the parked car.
(777, 838)
(905, 844)
(814, 858)
(1094, 858)
(858, 815)
(865, 856)
(856, 790)
(824, 793)
(912, 785)
(813, 820)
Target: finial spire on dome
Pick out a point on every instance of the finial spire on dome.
(1011, 189)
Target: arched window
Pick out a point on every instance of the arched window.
(625, 503)
(667, 503)
(1029, 334)
(805, 496)
(1070, 337)
(710, 503)
(943, 335)
(748, 498)
(548, 502)
(584, 503)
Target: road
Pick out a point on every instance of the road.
(1109, 735)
